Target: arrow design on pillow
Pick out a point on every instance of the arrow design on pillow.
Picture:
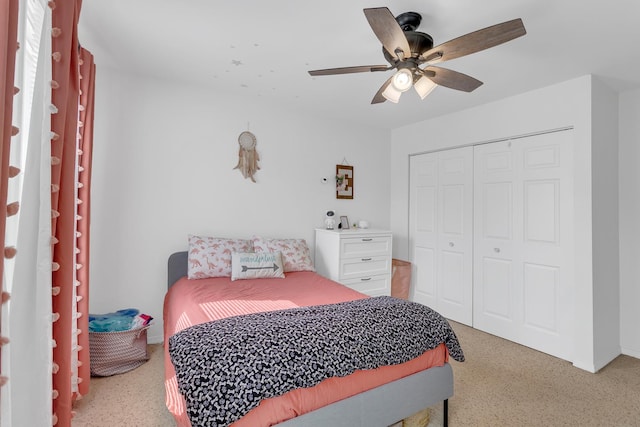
(245, 268)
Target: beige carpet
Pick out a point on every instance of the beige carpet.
(500, 384)
(135, 398)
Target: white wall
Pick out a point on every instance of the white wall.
(164, 155)
(566, 104)
(629, 159)
(606, 246)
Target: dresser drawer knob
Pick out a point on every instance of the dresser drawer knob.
(365, 279)
(367, 240)
(366, 259)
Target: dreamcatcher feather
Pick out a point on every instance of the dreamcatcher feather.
(247, 155)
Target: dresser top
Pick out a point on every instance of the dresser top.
(355, 231)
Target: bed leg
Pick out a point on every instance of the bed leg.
(445, 415)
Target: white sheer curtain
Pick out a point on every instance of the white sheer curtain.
(26, 400)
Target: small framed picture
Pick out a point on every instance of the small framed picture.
(344, 223)
(344, 182)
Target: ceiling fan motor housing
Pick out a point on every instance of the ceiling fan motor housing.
(418, 42)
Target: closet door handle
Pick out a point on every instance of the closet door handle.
(366, 259)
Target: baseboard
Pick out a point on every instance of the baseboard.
(595, 365)
(631, 352)
(604, 360)
(155, 339)
(589, 367)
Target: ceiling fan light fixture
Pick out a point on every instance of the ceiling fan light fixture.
(424, 86)
(402, 80)
(391, 94)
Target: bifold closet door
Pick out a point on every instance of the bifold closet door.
(441, 221)
(523, 262)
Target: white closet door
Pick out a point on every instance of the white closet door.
(441, 228)
(423, 204)
(523, 269)
(495, 254)
(455, 234)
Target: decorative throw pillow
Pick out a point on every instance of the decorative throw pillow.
(295, 252)
(256, 265)
(211, 256)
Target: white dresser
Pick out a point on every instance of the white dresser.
(358, 258)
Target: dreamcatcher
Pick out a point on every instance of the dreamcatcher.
(247, 155)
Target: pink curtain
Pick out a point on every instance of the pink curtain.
(8, 47)
(72, 89)
(71, 124)
(85, 154)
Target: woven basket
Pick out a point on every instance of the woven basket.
(419, 419)
(400, 278)
(113, 353)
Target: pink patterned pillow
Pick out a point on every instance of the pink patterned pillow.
(211, 256)
(295, 252)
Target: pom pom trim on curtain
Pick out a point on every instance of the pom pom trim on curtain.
(8, 48)
(73, 76)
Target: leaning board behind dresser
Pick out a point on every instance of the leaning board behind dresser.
(358, 258)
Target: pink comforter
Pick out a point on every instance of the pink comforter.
(190, 302)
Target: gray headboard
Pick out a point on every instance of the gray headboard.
(177, 267)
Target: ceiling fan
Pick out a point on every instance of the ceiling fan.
(408, 50)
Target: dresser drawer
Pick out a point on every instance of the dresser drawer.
(365, 246)
(351, 268)
(371, 285)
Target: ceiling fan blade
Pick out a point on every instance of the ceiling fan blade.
(452, 79)
(378, 98)
(475, 41)
(349, 70)
(386, 28)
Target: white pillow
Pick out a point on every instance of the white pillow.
(256, 265)
(211, 256)
(295, 252)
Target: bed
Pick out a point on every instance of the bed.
(377, 397)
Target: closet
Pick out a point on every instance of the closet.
(492, 238)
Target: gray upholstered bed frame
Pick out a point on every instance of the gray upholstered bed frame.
(381, 406)
(178, 267)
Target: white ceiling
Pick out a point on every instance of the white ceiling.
(265, 48)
